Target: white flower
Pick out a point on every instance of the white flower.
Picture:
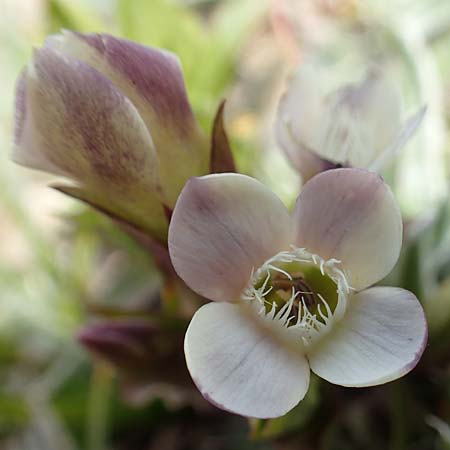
(359, 125)
(290, 291)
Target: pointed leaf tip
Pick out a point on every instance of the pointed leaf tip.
(221, 155)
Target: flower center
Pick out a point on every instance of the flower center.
(300, 291)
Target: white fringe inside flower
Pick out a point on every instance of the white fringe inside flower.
(309, 326)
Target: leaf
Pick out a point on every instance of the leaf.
(221, 156)
(14, 413)
(73, 15)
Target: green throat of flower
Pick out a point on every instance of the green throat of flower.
(299, 290)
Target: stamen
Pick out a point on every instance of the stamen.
(295, 313)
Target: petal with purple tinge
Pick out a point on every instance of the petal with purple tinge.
(350, 215)
(152, 79)
(381, 338)
(239, 368)
(76, 123)
(28, 150)
(222, 227)
(83, 123)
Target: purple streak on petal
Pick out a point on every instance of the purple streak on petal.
(156, 74)
(326, 232)
(350, 215)
(20, 107)
(224, 225)
(91, 101)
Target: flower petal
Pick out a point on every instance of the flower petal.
(74, 122)
(299, 113)
(28, 150)
(224, 225)
(362, 120)
(239, 368)
(405, 134)
(153, 81)
(352, 126)
(381, 338)
(350, 215)
(82, 122)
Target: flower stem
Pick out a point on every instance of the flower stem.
(98, 407)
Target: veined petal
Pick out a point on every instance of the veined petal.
(350, 215)
(82, 122)
(153, 81)
(76, 123)
(223, 226)
(239, 368)
(381, 338)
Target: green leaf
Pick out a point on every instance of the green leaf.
(14, 413)
(74, 16)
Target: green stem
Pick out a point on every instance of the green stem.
(98, 408)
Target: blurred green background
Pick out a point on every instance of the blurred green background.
(61, 263)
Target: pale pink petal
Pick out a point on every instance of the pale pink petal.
(351, 127)
(239, 368)
(381, 338)
(222, 227)
(363, 119)
(152, 79)
(300, 112)
(350, 215)
(81, 122)
(27, 148)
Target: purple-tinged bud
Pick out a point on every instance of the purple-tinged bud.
(137, 349)
(125, 345)
(113, 118)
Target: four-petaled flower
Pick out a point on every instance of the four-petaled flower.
(291, 291)
(358, 125)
